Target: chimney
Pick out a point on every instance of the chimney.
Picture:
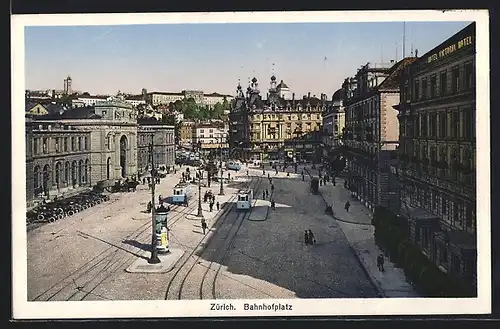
(309, 95)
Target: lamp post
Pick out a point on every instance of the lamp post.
(221, 192)
(200, 210)
(154, 252)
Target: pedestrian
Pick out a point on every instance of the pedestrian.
(312, 240)
(203, 226)
(288, 174)
(306, 238)
(159, 199)
(263, 172)
(213, 198)
(268, 175)
(218, 205)
(347, 206)
(272, 187)
(273, 205)
(211, 205)
(143, 180)
(229, 176)
(247, 172)
(276, 170)
(267, 193)
(264, 195)
(380, 263)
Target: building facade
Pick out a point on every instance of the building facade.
(186, 132)
(333, 123)
(210, 135)
(371, 132)
(101, 139)
(437, 154)
(276, 128)
(29, 160)
(60, 158)
(163, 139)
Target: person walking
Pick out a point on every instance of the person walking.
(218, 205)
(347, 206)
(268, 175)
(211, 205)
(312, 240)
(159, 199)
(264, 195)
(306, 238)
(203, 226)
(380, 263)
(272, 187)
(273, 205)
(267, 193)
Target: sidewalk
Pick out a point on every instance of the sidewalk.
(360, 233)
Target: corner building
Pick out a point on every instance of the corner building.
(276, 127)
(437, 154)
(371, 133)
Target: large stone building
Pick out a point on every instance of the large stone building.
(186, 132)
(165, 98)
(83, 146)
(275, 127)
(29, 160)
(371, 133)
(163, 139)
(210, 135)
(333, 123)
(437, 154)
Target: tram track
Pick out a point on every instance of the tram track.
(105, 264)
(177, 287)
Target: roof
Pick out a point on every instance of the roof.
(87, 112)
(149, 121)
(338, 95)
(392, 81)
(281, 85)
(166, 93)
(134, 98)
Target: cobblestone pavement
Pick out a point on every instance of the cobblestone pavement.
(270, 260)
(356, 225)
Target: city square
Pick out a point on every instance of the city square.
(352, 179)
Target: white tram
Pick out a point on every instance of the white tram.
(182, 194)
(233, 165)
(245, 198)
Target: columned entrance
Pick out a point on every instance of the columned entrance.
(123, 155)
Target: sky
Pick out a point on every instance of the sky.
(309, 57)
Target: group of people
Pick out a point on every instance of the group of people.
(309, 238)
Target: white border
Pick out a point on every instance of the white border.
(22, 309)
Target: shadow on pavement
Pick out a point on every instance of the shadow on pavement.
(138, 245)
(87, 236)
(274, 250)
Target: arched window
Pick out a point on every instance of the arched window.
(74, 180)
(46, 178)
(66, 172)
(108, 168)
(80, 171)
(36, 178)
(58, 174)
(86, 176)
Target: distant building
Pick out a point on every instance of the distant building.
(210, 135)
(283, 91)
(165, 98)
(163, 138)
(186, 132)
(333, 123)
(276, 127)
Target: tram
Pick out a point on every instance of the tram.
(182, 194)
(233, 165)
(244, 199)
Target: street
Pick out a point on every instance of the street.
(84, 257)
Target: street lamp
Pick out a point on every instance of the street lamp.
(200, 210)
(221, 192)
(154, 252)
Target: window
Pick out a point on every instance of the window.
(469, 76)
(442, 124)
(455, 79)
(455, 124)
(423, 128)
(417, 90)
(469, 124)
(35, 146)
(433, 86)
(73, 143)
(443, 81)
(443, 257)
(469, 220)
(424, 88)
(57, 144)
(80, 145)
(45, 145)
(406, 93)
(87, 146)
(433, 124)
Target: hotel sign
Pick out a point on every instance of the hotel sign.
(450, 49)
